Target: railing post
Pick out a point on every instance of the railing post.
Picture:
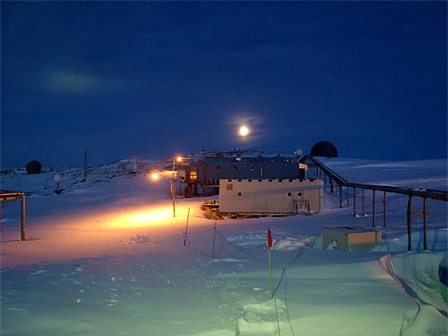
(363, 205)
(348, 196)
(354, 202)
(409, 222)
(373, 209)
(340, 195)
(384, 208)
(425, 224)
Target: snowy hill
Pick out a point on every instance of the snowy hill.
(106, 257)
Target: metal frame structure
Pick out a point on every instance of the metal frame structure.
(423, 193)
(7, 195)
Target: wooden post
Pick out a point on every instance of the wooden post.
(186, 227)
(214, 240)
(425, 224)
(409, 222)
(173, 195)
(23, 226)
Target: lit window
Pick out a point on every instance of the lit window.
(229, 186)
(193, 174)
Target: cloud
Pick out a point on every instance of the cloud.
(63, 81)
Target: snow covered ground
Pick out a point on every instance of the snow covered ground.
(106, 257)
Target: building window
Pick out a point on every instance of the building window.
(229, 186)
(239, 193)
(289, 194)
(218, 167)
(299, 194)
(280, 180)
(235, 167)
(193, 174)
(251, 167)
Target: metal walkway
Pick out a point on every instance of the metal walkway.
(336, 180)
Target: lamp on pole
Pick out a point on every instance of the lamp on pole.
(172, 179)
(178, 159)
(156, 176)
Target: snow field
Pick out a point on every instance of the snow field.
(109, 259)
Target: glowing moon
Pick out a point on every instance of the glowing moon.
(244, 130)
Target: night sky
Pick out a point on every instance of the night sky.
(157, 79)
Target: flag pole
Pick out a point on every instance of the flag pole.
(270, 264)
(270, 244)
(270, 274)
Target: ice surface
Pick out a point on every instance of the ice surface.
(106, 257)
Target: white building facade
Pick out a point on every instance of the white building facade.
(270, 197)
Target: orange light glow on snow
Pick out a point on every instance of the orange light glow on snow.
(154, 217)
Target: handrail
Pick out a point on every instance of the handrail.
(426, 193)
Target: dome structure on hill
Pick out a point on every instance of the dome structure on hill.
(325, 149)
(33, 167)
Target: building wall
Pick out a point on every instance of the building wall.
(252, 170)
(204, 172)
(270, 196)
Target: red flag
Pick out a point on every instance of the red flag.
(269, 239)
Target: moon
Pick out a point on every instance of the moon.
(244, 131)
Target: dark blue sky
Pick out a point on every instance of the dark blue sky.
(153, 79)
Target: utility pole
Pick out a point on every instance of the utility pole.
(85, 165)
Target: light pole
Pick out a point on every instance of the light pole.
(156, 176)
(172, 179)
(178, 159)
